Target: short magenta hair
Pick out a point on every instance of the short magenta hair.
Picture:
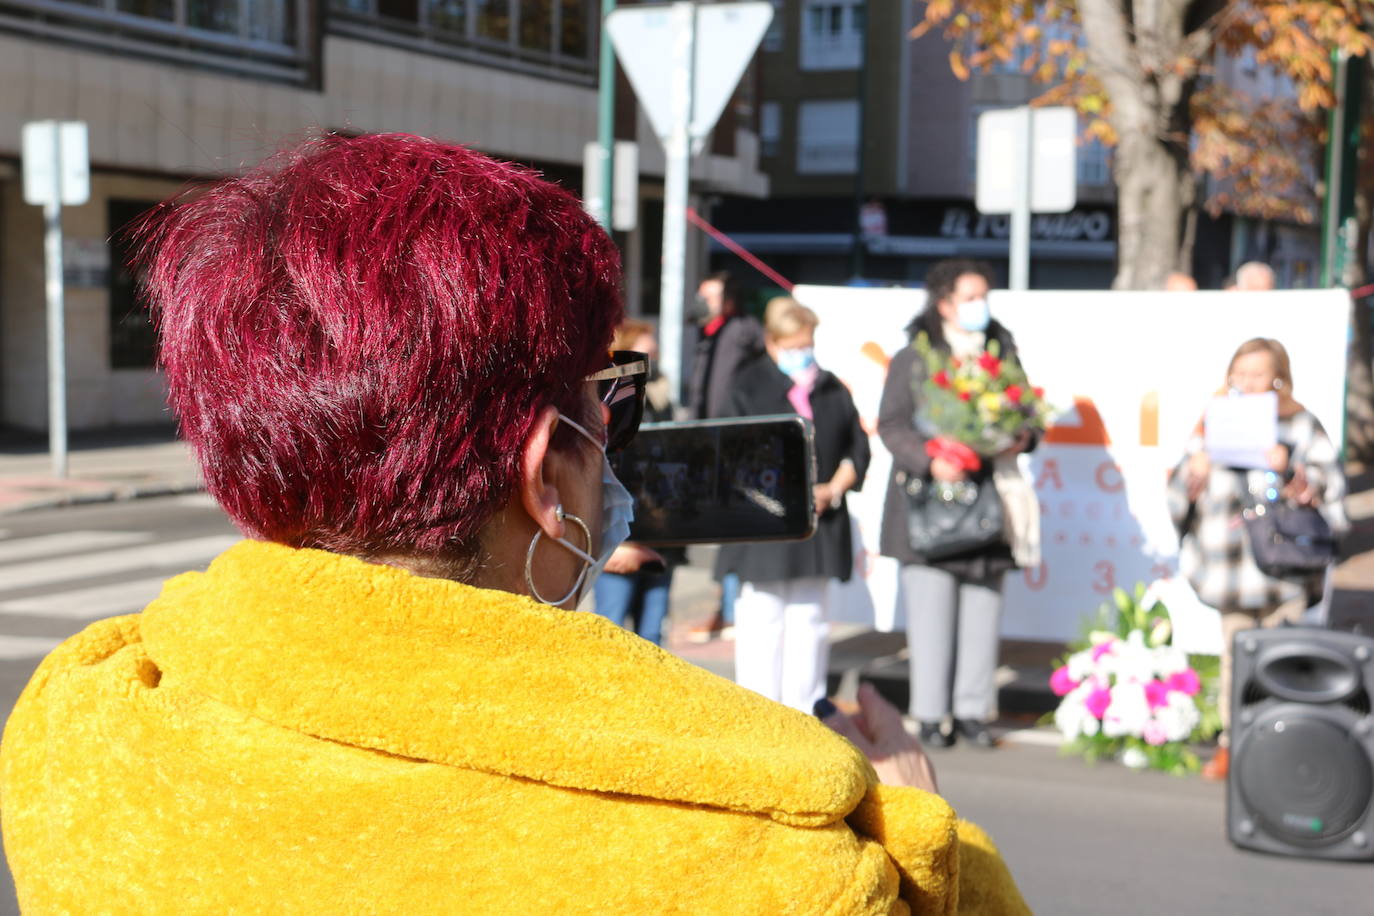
(359, 333)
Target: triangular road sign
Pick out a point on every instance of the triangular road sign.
(726, 36)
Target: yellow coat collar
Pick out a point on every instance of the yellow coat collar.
(375, 657)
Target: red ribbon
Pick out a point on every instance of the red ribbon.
(956, 452)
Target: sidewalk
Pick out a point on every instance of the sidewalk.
(102, 467)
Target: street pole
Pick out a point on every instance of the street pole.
(675, 178)
(856, 254)
(1019, 255)
(57, 351)
(605, 120)
(1335, 174)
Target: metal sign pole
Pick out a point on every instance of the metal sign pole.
(57, 355)
(678, 168)
(1019, 268)
(605, 121)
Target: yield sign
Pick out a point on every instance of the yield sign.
(725, 38)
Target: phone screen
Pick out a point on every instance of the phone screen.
(712, 481)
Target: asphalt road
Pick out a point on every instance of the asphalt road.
(1080, 839)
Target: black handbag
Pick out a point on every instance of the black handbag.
(948, 519)
(1288, 541)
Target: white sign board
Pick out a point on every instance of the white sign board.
(1001, 166)
(727, 34)
(60, 147)
(625, 191)
(1132, 388)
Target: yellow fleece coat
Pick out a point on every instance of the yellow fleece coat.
(300, 732)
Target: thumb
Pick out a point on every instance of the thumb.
(880, 718)
(845, 727)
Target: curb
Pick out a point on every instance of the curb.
(111, 495)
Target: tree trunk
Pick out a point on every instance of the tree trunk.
(1155, 193)
(1359, 390)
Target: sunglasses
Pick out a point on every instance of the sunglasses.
(620, 387)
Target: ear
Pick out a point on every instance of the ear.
(538, 495)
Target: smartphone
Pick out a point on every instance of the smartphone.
(713, 481)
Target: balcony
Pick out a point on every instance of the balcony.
(265, 38)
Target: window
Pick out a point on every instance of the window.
(133, 343)
(256, 37)
(828, 137)
(1094, 163)
(532, 35)
(536, 24)
(770, 128)
(772, 39)
(832, 34)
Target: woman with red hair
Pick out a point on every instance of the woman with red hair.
(390, 357)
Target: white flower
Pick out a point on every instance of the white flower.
(1072, 716)
(1179, 717)
(1169, 660)
(1080, 665)
(1128, 711)
(1134, 758)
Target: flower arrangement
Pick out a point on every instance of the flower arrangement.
(976, 408)
(1127, 692)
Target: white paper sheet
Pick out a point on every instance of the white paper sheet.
(1241, 429)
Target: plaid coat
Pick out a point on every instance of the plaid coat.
(1215, 553)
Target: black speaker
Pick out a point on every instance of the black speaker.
(1302, 744)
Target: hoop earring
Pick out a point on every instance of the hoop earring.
(529, 560)
(1278, 384)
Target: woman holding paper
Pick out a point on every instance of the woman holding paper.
(1209, 496)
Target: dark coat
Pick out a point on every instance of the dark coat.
(762, 389)
(896, 425)
(718, 358)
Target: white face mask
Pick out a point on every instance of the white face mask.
(974, 315)
(617, 511)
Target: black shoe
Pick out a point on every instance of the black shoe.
(932, 737)
(975, 733)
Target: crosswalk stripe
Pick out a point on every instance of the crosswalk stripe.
(89, 603)
(13, 648)
(152, 556)
(49, 545)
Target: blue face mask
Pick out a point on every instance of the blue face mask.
(974, 315)
(790, 362)
(617, 511)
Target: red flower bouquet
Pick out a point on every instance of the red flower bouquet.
(977, 408)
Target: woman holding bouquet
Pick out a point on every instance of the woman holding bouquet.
(953, 601)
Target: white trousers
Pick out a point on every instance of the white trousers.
(782, 643)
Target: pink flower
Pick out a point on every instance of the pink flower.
(1098, 701)
(1156, 695)
(1060, 682)
(1154, 733)
(1185, 681)
(1102, 649)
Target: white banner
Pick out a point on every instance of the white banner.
(1131, 373)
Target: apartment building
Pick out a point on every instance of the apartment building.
(181, 91)
(869, 142)
(870, 145)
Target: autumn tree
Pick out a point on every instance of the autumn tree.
(1141, 73)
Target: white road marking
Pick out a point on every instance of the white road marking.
(13, 648)
(89, 603)
(68, 542)
(197, 501)
(171, 555)
(1039, 737)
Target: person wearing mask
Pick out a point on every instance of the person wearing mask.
(1207, 502)
(729, 339)
(953, 604)
(637, 580)
(781, 634)
(389, 355)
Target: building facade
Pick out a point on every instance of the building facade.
(176, 92)
(870, 144)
